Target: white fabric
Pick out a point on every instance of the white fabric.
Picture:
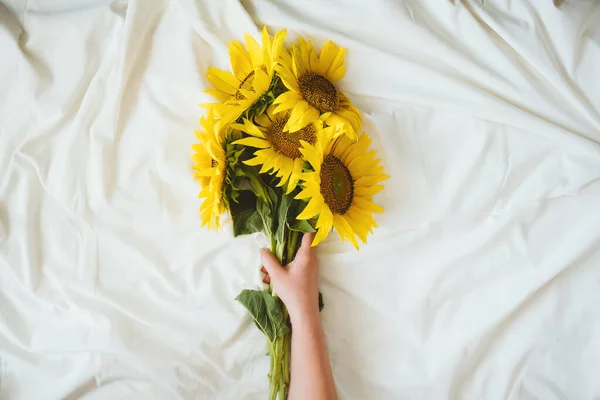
(482, 281)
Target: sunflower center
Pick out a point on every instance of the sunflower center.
(288, 143)
(319, 92)
(337, 185)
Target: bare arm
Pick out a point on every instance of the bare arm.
(296, 285)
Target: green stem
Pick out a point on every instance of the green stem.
(291, 246)
(280, 348)
(277, 361)
(286, 366)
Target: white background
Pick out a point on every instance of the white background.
(482, 282)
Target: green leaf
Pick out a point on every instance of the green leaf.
(267, 312)
(246, 222)
(246, 219)
(301, 226)
(254, 302)
(275, 313)
(282, 214)
(260, 109)
(264, 210)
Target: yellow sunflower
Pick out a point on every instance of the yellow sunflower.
(310, 79)
(253, 68)
(345, 177)
(279, 151)
(210, 163)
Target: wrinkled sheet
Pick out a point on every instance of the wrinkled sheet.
(481, 282)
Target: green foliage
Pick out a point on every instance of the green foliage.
(258, 108)
(243, 213)
(300, 226)
(234, 154)
(267, 312)
(285, 202)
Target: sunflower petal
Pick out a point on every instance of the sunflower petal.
(262, 81)
(324, 225)
(312, 155)
(222, 80)
(240, 60)
(368, 191)
(310, 115)
(266, 44)
(277, 46)
(367, 205)
(313, 208)
(344, 229)
(328, 53)
(336, 63)
(253, 142)
(286, 101)
(254, 50)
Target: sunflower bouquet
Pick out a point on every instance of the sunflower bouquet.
(282, 152)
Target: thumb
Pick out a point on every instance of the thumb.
(271, 264)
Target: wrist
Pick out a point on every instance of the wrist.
(305, 316)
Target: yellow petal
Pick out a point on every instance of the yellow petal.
(336, 63)
(324, 223)
(359, 226)
(328, 53)
(266, 44)
(254, 161)
(307, 193)
(344, 229)
(262, 81)
(314, 60)
(240, 60)
(310, 115)
(286, 101)
(217, 94)
(367, 205)
(312, 155)
(222, 80)
(294, 176)
(288, 79)
(313, 208)
(294, 123)
(254, 50)
(252, 129)
(278, 41)
(364, 191)
(253, 142)
(367, 181)
(295, 57)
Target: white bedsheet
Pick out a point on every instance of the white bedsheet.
(482, 282)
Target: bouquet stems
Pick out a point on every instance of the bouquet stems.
(280, 348)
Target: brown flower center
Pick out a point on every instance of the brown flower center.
(337, 185)
(319, 92)
(288, 143)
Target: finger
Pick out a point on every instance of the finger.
(306, 249)
(273, 267)
(263, 270)
(267, 279)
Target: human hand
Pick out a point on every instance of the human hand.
(296, 283)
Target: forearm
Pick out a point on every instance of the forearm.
(311, 376)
